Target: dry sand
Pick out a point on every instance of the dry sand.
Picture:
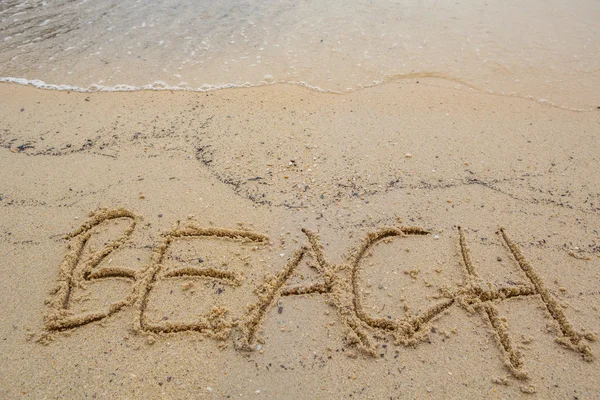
(277, 242)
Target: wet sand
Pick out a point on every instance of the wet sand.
(276, 242)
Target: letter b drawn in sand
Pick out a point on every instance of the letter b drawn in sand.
(79, 268)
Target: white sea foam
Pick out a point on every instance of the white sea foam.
(158, 85)
(162, 86)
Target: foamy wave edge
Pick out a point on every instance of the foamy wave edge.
(158, 85)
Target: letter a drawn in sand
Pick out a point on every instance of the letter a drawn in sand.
(274, 287)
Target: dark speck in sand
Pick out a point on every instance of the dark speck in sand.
(200, 260)
(24, 147)
(160, 215)
(279, 310)
(22, 109)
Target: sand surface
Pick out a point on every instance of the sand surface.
(276, 242)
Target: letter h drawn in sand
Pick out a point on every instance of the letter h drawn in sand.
(76, 272)
(483, 297)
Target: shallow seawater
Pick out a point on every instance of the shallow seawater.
(547, 50)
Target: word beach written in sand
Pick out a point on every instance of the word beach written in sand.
(341, 285)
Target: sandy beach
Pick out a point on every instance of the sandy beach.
(407, 240)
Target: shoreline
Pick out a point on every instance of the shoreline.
(272, 161)
(425, 78)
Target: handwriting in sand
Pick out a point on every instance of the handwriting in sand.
(341, 283)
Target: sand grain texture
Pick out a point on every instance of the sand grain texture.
(275, 242)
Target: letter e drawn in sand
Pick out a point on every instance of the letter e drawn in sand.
(215, 322)
(77, 271)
